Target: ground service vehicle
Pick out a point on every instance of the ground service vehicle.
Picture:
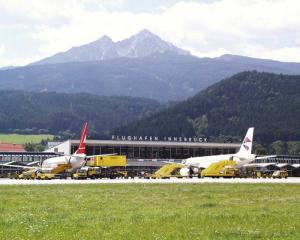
(225, 168)
(229, 171)
(80, 174)
(107, 161)
(27, 175)
(98, 172)
(46, 176)
(107, 166)
(92, 172)
(280, 174)
(111, 173)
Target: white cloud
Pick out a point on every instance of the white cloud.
(287, 54)
(2, 50)
(257, 28)
(212, 54)
(20, 61)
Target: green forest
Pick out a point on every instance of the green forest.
(224, 111)
(63, 114)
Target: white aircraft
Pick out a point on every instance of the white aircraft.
(243, 156)
(77, 160)
(68, 163)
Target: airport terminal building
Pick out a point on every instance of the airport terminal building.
(148, 150)
(148, 154)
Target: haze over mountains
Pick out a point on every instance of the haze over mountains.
(142, 66)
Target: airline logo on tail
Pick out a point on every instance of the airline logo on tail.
(245, 142)
(81, 148)
(246, 147)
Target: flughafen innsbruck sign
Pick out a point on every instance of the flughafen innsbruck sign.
(155, 139)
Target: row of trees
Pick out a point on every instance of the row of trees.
(59, 113)
(279, 148)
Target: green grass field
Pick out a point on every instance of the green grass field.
(150, 211)
(22, 139)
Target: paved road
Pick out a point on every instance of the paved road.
(295, 180)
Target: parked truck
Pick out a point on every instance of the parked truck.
(30, 174)
(108, 161)
(97, 172)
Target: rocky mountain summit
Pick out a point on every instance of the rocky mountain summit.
(142, 44)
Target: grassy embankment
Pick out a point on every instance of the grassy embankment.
(136, 211)
(22, 139)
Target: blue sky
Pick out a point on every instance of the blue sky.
(31, 30)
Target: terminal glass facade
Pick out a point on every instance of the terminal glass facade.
(280, 160)
(24, 156)
(154, 152)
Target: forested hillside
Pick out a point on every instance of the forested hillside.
(269, 102)
(50, 112)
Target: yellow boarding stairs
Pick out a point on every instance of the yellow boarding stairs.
(168, 170)
(225, 168)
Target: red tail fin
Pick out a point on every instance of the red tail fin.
(81, 148)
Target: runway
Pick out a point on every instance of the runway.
(292, 180)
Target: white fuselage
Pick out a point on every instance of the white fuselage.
(74, 161)
(204, 162)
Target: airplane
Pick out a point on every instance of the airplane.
(68, 163)
(243, 156)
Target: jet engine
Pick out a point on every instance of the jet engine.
(189, 171)
(185, 172)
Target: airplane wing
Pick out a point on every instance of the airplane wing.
(245, 162)
(26, 167)
(171, 162)
(8, 163)
(32, 163)
(264, 157)
(18, 166)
